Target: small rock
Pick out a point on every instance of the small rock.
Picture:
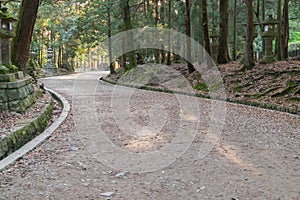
(121, 174)
(107, 194)
(74, 148)
(202, 188)
(107, 172)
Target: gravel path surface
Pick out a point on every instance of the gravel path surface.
(255, 157)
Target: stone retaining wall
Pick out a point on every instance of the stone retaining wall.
(16, 92)
(21, 136)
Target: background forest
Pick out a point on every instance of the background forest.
(74, 28)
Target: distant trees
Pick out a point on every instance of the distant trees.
(74, 27)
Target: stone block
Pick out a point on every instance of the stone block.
(30, 88)
(17, 94)
(19, 75)
(3, 85)
(28, 101)
(7, 78)
(14, 105)
(3, 105)
(13, 94)
(3, 96)
(16, 84)
(28, 80)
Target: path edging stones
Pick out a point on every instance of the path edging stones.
(29, 146)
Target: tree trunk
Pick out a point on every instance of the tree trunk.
(129, 37)
(156, 18)
(249, 55)
(263, 14)
(162, 21)
(205, 27)
(279, 30)
(24, 29)
(234, 32)
(285, 30)
(111, 65)
(223, 56)
(169, 36)
(188, 34)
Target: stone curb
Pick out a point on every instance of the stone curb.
(293, 111)
(39, 139)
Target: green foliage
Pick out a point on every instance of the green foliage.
(295, 36)
(201, 86)
(7, 69)
(294, 31)
(290, 83)
(12, 68)
(77, 26)
(4, 70)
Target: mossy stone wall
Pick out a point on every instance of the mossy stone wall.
(19, 137)
(16, 92)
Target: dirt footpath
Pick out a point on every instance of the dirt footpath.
(255, 157)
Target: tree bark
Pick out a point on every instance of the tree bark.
(234, 32)
(223, 56)
(205, 27)
(188, 38)
(279, 30)
(111, 65)
(249, 55)
(162, 21)
(263, 14)
(24, 29)
(169, 36)
(129, 37)
(285, 30)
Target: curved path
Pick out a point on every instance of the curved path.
(88, 157)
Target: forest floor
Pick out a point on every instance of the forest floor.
(275, 85)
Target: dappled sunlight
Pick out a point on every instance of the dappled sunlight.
(230, 152)
(144, 143)
(64, 77)
(188, 117)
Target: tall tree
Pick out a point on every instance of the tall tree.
(111, 66)
(188, 34)
(169, 35)
(156, 20)
(249, 55)
(223, 56)
(234, 31)
(285, 30)
(129, 38)
(279, 30)
(205, 27)
(24, 29)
